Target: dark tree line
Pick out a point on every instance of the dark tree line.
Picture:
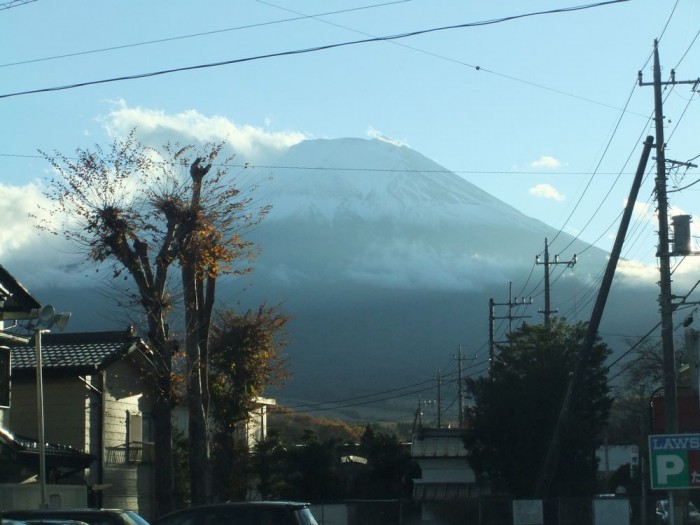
(378, 467)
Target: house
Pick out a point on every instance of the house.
(251, 431)
(445, 471)
(21, 456)
(15, 303)
(96, 400)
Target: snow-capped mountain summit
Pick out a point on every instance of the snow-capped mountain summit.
(369, 211)
(373, 179)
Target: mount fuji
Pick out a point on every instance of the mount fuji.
(386, 261)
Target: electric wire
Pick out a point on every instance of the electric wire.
(446, 171)
(194, 35)
(668, 20)
(590, 298)
(14, 3)
(448, 59)
(643, 338)
(363, 400)
(307, 50)
(590, 181)
(366, 396)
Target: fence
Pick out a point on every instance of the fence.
(477, 511)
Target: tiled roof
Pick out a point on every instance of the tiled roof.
(27, 449)
(442, 443)
(87, 350)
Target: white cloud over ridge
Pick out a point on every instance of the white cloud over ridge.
(157, 127)
(34, 257)
(547, 191)
(376, 134)
(39, 259)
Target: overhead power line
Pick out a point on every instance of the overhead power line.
(192, 35)
(310, 49)
(371, 169)
(15, 3)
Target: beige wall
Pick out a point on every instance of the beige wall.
(130, 484)
(64, 411)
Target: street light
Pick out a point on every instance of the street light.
(42, 321)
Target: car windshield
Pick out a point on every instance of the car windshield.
(132, 518)
(306, 517)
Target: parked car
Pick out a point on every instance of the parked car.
(662, 513)
(242, 513)
(87, 516)
(43, 521)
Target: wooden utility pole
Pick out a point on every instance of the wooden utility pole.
(439, 399)
(547, 263)
(663, 253)
(549, 465)
(460, 392)
(664, 256)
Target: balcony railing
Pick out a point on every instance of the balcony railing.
(130, 453)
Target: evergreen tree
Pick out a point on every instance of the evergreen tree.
(517, 405)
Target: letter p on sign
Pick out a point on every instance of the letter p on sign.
(668, 465)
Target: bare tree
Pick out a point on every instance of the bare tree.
(143, 211)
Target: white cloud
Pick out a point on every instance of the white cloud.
(547, 191)
(685, 272)
(637, 271)
(376, 134)
(675, 210)
(35, 258)
(157, 127)
(643, 211)
(16, 203)
(546, 161)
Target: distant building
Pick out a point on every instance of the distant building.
(251, 431)
(445, 471)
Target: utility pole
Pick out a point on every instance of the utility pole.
(418, 416)
(577, 377)
(439, 399)
(547, 263)
(665, 297)
(460, 393)
(512, 302)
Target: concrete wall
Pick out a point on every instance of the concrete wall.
(27, 496)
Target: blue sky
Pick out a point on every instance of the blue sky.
(541, 111)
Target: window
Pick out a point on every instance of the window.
(135, 428)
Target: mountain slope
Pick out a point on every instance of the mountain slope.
(386, 262)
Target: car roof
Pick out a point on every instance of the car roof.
(61, 510)
(292, 505)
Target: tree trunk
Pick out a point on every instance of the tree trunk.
(162, 413)
(163, 458)
(198, 442)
